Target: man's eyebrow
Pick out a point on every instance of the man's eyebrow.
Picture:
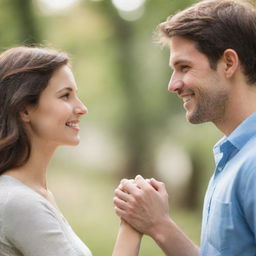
(177, 62)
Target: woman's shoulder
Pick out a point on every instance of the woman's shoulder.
(17, 197)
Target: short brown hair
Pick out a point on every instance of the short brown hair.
(24, 74)
(217, 25)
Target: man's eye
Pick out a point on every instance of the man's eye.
(184, 68)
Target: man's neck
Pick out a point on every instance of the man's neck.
(241, 105)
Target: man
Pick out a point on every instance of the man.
(213, 57)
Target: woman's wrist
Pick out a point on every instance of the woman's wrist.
(125, 227)
(128, 241)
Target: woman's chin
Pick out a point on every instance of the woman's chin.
(72, 143)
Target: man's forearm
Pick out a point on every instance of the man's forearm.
(173, 241)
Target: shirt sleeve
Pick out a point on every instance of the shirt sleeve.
(34, 228)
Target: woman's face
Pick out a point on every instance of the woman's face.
(55, 120)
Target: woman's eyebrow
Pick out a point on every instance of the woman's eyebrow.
(65, 88)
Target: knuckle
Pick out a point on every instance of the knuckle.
(137, 196)
(120, 186)
(118, 192)
(114, 200)
(124, 181)
(148, 189)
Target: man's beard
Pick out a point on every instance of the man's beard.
(209, 108)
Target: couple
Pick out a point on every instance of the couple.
(212, 54)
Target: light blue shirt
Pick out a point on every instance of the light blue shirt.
(229, 214)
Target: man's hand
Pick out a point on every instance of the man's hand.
(142, 203)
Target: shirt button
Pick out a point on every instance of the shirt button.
(219, 168)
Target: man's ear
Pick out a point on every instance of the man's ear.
(231, 62)
(25, 116)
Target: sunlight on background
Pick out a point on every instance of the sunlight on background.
(128, 5)
(129, 10)
(57, 5)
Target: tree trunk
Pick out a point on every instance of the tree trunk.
(29, 33)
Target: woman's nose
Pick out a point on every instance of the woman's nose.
(81, 109)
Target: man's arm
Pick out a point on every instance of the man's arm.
(144, 205)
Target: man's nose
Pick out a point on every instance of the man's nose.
(175, 84)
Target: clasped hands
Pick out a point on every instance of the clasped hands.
(142, 203)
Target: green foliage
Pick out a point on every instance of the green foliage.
(8, 25)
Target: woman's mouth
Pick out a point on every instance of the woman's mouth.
(73, 125)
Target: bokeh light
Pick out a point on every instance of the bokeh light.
(128, 5)
(56, 5)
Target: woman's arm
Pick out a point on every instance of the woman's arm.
(127, 242)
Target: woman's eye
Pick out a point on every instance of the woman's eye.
(65, 96)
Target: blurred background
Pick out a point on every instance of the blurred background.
(134, 126)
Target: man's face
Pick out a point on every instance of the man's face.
(202, 89)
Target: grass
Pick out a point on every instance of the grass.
(85, 199)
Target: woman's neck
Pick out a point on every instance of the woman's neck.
(33, 173)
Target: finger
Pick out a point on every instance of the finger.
(121, 195)
(126, 180)
(130, 187)
(159, 186)
(119, 203)
(121, 213)
(123, 181)
(120, 187)
(141, 182)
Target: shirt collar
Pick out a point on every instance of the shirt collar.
(240, 136)
(244, 132)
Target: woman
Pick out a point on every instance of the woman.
(39, 111)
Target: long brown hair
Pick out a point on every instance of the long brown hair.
(24, 74)
(217, 25)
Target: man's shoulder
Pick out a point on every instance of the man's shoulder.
(245, 162)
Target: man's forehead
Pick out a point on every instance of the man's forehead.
(182, 50)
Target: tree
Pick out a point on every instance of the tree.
(28, 28)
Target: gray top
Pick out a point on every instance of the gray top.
(32, 226)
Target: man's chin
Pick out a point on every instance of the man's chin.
(195, 119)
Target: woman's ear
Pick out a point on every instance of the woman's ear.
(231, 62)
(25, 116)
